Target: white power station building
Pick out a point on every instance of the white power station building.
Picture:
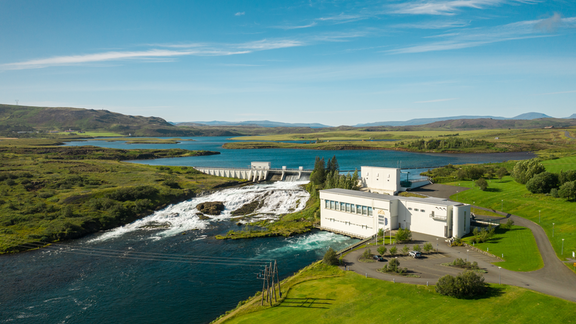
(362, 214)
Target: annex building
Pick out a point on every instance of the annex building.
(362, 214)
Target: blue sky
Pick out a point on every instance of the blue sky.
(331, 62)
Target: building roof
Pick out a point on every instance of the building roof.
(376, 196)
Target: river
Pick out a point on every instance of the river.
(167, 267)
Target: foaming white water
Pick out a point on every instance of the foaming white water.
(278, 198)
(319, 241)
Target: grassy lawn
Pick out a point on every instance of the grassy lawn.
(512, 197)
(478, 211)
(562, 164)
(347, 297)
(99, 134)
(518, 246)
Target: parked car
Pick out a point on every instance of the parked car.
(378, 257)
(415, 254)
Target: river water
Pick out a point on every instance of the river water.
(167, 267)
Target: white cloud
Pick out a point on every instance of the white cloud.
(342, 17)
(434, 25)
(158, 55)
(240, 13)
(435, 100)
(297, 27)
(466, 38)
(446, 7)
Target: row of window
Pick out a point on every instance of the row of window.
(350, 208)
(416, 209)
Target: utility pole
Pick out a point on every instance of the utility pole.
(270, 278)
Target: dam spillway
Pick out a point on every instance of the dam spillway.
(259, 171)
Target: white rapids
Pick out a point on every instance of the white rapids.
(278, 198)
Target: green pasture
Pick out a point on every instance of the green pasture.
(518, 247)
(562, 164)
(99, 134)
(511, 197)
(352, 298)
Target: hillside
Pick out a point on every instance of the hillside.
(15, 119)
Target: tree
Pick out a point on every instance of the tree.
(393, 250)
(500, 173)
(568, 190)
(318, 175)
(405, 249)
(403, 235)
(567, 176)
(355, 179)
(330, 257)
(428, 247)
(508, 225)
(482, 184)
(382, 250)
(416, 248)
(467, 284)
(525, 170)
(367, 254)
(542, 183)
(332, 165)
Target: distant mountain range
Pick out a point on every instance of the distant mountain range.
(258, 123)
(411, 122)
(423, 121)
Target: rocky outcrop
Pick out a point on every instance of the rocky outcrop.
(211, 208)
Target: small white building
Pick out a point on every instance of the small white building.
(362, 214)
(380, 180)
(260, 165)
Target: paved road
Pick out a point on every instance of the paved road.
(553, 279)
(567, 134)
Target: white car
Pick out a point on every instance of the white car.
(415, 254)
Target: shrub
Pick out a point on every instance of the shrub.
(382, 250)
(393, 250)
(482, 184)
(554, 193)
(508, 224)
(403, 235)
(428, 247)
(542, 182)
(466, 285)
(416, 248)
(500, 173)
(405, 249)
(367, 254)
(330, 257)
(568, 190)
(133, 193)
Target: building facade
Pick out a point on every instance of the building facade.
(362, 214)
(380, 180)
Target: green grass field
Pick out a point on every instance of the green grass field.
(562, 164)
(511, 197)
(518, 247)
(347, 297)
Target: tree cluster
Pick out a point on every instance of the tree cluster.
(327, 176)
(470, 172)
(403, 235)
(444, 144)
(483, 235)
(331, 258)
(466, 285)
(538, 180)
(394, 266)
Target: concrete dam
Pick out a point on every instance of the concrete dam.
(259, 171)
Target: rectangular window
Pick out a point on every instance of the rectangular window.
(422, 210)
(327, 205)
(358, 209)
(331, 204)
(369, 211)
(347, 207)
(337, 205)
(409, 208)
(352, 208)
(342, 206)
(364, 210)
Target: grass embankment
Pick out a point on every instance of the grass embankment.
(516, 246)
(511, 197)
(321, 294)
(474, 141)
(288, 225)
(49, 194)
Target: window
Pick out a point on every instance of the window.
(422, 210)
(364, 210)
(409, 208)
(352, 208)
(342, 206)
(369, 211)
(347, 207)
(337, 205)
(415, 209)
(331, 204)
(327, 205)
